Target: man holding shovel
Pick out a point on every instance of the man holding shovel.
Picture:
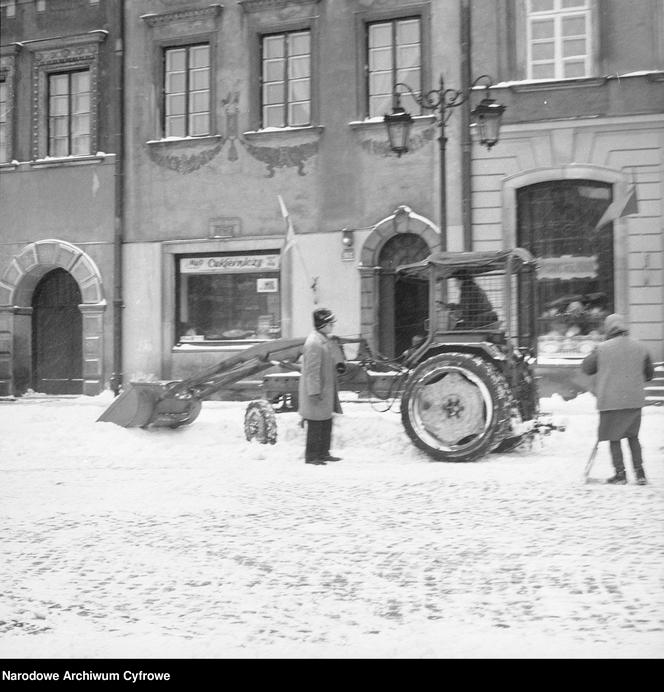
(622, 366)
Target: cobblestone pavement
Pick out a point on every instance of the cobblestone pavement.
(224, 557)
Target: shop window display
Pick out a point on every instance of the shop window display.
(228, 298)
(572, 325)
(574, 290)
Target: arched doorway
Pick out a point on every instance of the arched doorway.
(403, 304)
(57, 335)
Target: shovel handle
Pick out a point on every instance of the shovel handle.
(591, 459)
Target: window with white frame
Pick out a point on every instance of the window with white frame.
(4, 107)
(69, 113)
(559, 39)
(286, 79)
(394, 55)
(228, 297)
(187, 91)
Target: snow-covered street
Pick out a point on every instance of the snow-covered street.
(195, 543)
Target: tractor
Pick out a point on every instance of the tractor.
(466, 390)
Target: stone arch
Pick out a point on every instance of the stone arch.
(571, 171)
(17, 286)
(402, 220)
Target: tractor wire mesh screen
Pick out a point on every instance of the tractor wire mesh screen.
(474, 301)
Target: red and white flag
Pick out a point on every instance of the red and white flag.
(623, 206)
(289, 240)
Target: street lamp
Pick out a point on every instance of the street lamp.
(487, 115)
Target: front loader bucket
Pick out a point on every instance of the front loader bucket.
(135, 407)
(172, 404)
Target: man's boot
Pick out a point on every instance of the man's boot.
(637, 460)
(640, 475)
(617, 458)
(618, 479)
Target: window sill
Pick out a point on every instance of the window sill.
(549, 84)
(379, 123)
(278, 134)
(9, 165)
(51, 161)
(214, 345)
(174, 141)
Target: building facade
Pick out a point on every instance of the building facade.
(59, 124)
(244, 114)
(584, 126)
(244, 118)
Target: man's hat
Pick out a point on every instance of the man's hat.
(323, 316)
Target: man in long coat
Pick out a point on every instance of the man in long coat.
(476, 308)
(318, 389)
(623, 366)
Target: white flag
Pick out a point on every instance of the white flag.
(289, 240)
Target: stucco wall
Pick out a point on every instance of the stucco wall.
(498, 32)
(70, 203)
(142, 314)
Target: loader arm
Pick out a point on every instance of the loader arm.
(173, 404)
(233, 369)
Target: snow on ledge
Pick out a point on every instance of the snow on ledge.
(568, 80)
(70, 159)
(189, 138)
(379, 120)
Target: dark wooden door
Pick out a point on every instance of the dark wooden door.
(57, 335)
(403, 303)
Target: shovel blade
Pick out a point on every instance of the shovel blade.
(135, 407)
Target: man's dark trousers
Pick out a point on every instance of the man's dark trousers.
(319, 439)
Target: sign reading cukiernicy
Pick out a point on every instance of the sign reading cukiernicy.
(567, 267)
(229, 264)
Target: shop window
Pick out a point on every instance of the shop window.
(286, 79)
(69, 113)
(559, 38)
(575, 285)
(394, 54)
(228, 297)
(187, 91)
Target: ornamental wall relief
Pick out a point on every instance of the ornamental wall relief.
(187, 162)
(188, 155)
(381, 147)
(294, 156)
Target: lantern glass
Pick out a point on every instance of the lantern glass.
(488, 116)
(398, 125)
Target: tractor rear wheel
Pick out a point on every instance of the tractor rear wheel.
(455, 407)
(260, 422)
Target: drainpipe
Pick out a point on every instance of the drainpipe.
(118, 237)
(466, 140)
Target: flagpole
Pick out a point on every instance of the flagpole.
(286, 276)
